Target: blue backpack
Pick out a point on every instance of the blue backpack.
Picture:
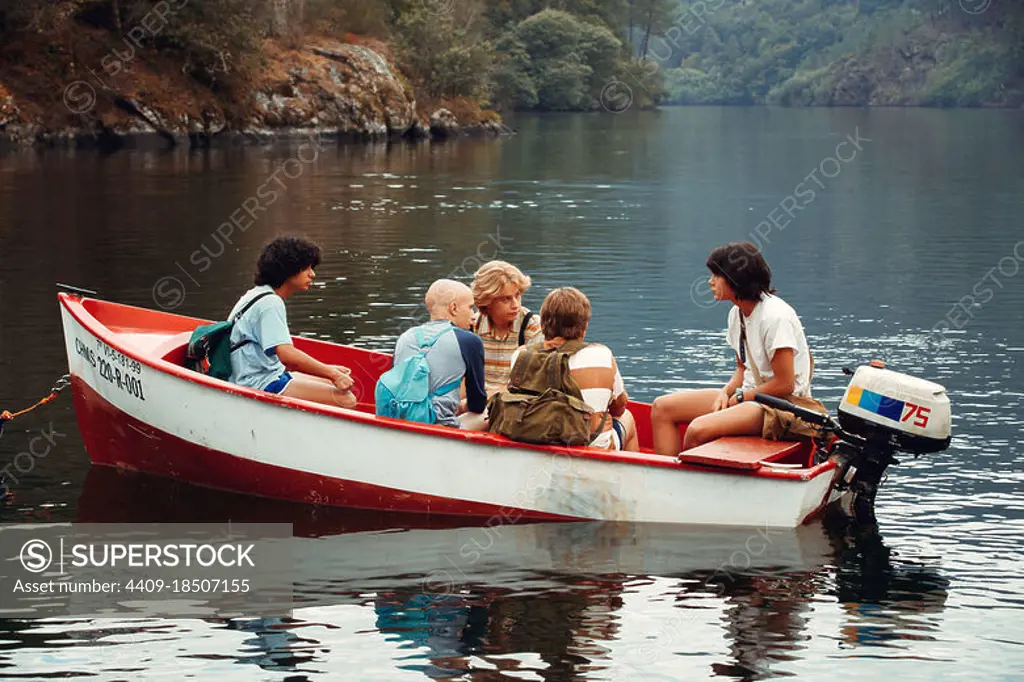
(403, 392)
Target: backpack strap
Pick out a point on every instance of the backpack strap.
(743, 337)
(243, 311)
(568, 349)
(250, 304)
(522, 327)
(519, 369)
(600, 428)
(555, 368)
(572, 347)
(423, 345)
(427, 344)
(447, 388)
(743, 351)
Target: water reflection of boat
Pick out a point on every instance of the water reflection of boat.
(882, 599)
(886, 598)
(562, 595)
(342, 552)
(450, 589)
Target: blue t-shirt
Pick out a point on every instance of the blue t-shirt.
(453, 357)
(256, 365)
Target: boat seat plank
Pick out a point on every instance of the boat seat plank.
(738, 452)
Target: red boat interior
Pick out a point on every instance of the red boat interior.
(152, 336)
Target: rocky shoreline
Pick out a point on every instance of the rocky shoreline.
(331, 89)
(29, 136)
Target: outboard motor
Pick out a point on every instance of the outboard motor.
(896, 410)
(882, 412)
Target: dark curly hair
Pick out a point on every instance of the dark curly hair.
(283, 258)
(746, 269)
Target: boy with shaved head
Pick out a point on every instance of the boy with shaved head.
(456, 354)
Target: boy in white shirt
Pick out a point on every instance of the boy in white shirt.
(772, 357)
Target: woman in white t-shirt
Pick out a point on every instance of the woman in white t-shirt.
(774, 360)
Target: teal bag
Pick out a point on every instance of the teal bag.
(403, 392)
(209, 348)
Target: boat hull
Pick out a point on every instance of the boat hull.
(139, 411)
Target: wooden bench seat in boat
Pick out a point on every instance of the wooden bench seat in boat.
(739, 452)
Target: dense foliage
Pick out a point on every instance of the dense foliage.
(210, 36)
(845, 52)
(524, 54)
(564, 54)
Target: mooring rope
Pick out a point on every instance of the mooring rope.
(59, 386)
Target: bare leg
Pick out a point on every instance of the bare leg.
(471, 421)
(311, 377)
(739, 420)
(632, 444)
(318, 391)
(669, 411)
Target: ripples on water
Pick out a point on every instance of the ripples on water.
(934, 594)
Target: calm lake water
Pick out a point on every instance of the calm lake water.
(918, 210)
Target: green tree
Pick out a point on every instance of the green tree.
(602, 52)
(652, 17)
(557, 67)
(442, 57)
(514, 86)
(217, 37)
(563, 60)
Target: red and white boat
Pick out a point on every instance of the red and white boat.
(139, 408)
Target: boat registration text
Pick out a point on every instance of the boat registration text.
(113, 366)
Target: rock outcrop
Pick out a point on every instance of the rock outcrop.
(342, 88)
(8, 111)
(443, 123)
(334, 88)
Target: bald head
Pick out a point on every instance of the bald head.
(450, 300)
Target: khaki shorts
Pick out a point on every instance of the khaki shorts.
(781, 425)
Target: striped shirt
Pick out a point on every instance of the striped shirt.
(597, 374)
(498, 352)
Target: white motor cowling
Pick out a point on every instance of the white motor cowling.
(906, 413)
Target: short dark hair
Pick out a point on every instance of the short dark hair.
(744, 267)
(565, 313)
(283, 258)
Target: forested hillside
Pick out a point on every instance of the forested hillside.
(846, 52)
(400, 66)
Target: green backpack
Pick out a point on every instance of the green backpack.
(209, 348)
(543, 404)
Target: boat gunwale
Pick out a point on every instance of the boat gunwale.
(75, 306)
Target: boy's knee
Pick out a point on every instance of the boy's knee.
(345, 399)
(658, 409)
(698, 433)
